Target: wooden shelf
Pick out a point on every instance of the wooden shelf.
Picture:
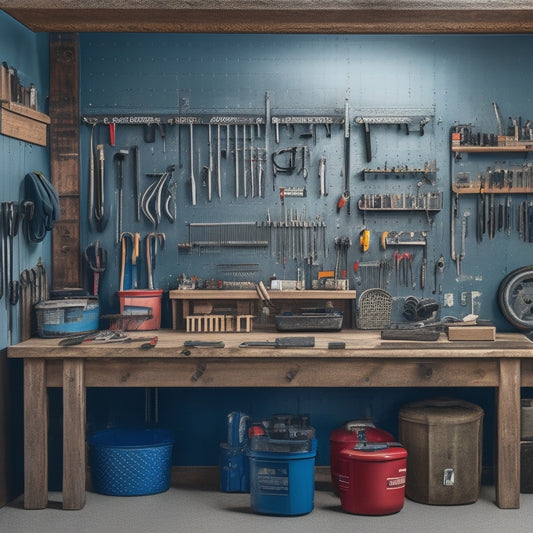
(23, 123)
(526, 147)
(505, 190)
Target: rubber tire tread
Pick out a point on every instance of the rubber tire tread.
(505, 305)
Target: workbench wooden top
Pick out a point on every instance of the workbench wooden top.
(359, 344)
(223, 294)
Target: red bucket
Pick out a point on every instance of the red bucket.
(348, 436)
(373, 478)
(142, 302)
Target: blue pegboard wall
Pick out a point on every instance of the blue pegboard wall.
(438, 76)
(454, 78)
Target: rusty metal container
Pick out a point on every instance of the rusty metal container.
(443, 438)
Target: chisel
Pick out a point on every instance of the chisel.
(282, 342)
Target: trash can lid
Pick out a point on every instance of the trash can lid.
(441, 411)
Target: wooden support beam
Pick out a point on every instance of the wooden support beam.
(64, 158)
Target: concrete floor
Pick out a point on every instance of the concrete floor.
(186, 510)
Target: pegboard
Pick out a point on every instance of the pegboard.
(303, 75)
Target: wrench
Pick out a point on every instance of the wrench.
(244, 179)
(193, 181)
(464, 233)
(210, 167)
(236, 162)
(219, 180)
(99, 207)
(322, 176)
(90, 206)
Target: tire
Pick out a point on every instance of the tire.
(515, 298)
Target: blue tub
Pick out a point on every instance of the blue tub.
(130, 462)
(72, 316)
(282, 483)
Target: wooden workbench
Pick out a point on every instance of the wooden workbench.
(367, 361)
(187, 297)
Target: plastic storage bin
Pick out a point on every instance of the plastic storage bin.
(444, 440)
(72, 316)
(372, 479)
(141, 302)
(282, 476)
(130, 462)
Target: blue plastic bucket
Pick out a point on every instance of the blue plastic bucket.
(130, 462)
(60, 318)
(282, 483)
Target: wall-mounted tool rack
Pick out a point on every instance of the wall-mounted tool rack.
(19, 117)
(227, 235)
(427, 202)
(309, 120)
(427, 174)
(173, 119)
(515, 179)
(408, 119)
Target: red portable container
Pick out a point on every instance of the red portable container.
(348, 436)
(373, 478)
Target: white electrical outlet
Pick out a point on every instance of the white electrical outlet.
(448, 299)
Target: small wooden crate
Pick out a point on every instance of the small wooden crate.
(219, 323)
(471, 333)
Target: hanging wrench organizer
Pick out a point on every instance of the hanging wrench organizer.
(427, 174)
(408, 119)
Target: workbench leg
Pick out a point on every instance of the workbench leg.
(508, 427)
(74, 416)
(174, 305)
(35, 435)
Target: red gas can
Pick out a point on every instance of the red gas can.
(373, 478)
(348, 436)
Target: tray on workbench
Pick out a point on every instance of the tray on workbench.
(311, 321)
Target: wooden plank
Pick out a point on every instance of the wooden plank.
(471, 333)
(359, 345)
(22, 127)
(279, 17)
(295, 372)
(64, 158)
(74, 407)
(508, 424)
(26, 111)
(35, 435)
(178, 294)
